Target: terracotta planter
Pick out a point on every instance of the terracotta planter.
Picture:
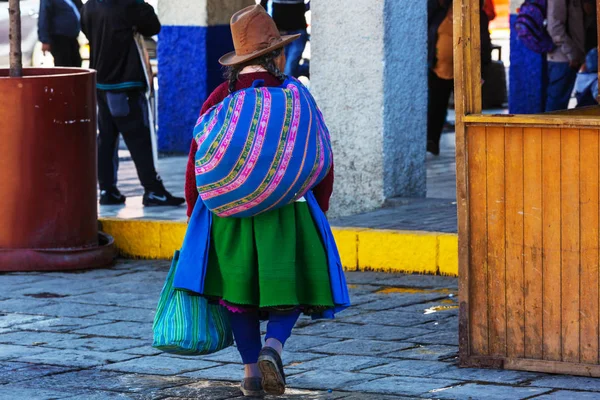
(48, 203)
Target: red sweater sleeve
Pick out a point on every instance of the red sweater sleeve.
(324, 190)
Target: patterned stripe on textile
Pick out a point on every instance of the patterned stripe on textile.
(261, 148)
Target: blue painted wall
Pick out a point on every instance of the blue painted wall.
(527, 77)
(188, 71)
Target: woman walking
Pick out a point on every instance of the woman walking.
(281, 262)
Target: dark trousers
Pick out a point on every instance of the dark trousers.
(561, 81)
(127, 113)
(437, 108)
(65, 51)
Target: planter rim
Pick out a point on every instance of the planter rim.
(45, 73)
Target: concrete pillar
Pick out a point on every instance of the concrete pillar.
(369, 76)
(195, 34)
(527, 73)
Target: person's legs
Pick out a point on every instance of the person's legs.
(293, 53)
(131, 120)
(107, 146)
(75, 56)
(61, 52)
(437, 109)
(246, 332)
(279, 329)
(561, 81)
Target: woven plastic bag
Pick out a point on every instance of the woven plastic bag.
(187, 324)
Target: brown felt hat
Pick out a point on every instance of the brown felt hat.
(254, 34)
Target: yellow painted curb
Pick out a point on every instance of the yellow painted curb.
(361, 249)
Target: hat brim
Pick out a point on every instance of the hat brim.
(233, 59)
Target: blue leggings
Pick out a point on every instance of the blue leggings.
(246, 331)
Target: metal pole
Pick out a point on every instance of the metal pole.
(16, 57)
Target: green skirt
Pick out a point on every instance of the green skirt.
(273, 260)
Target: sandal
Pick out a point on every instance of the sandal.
(271, 367)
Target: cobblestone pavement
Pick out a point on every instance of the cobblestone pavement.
(436, 213)
(87, 335)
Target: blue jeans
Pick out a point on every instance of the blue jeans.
(561, 81)
(293, 54)
(246, 331)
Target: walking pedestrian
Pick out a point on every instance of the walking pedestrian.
(122, 104)
(289, 15)
(278, 264)
(566, 26)
(441, 65)
(58, 29)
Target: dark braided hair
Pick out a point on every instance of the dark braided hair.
(267, 61)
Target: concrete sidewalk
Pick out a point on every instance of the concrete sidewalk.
(87, 336)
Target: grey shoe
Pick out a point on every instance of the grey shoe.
(271, 367)
(252, 387)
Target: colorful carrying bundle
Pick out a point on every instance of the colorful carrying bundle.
(261, 148)
(186, 324)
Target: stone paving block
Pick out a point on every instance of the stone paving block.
(307, 343)
(445, 308)
(136, 299)
(24, 305)
(61, 324)
(390, 318)
(486, 375)
(396, 302)
(343, 363)
(105, 344)
(205, 390)
(321, 328)
(568, 382)
(398, 385)
(325, 379)
(102, 395)
(428, 352)
(361, 347)
(55, 288)
(488, 392)
(13, 280)
(133, 330)
(401, 280)
(8, 320)
(160, 365)
(569, 395)
(145, 350)
(440, 338)
(15, 392)
(447, 325)
(129, 314)
(66, 309)
(8, 352)
(378, 332)
(409, 368)
(26, 338)
(76, 358)
(11, 372)
(227, 372)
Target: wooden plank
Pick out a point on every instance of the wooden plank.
(569, 191)
(515, 302)
(535, 120)
(478, 295)
(589, 187)
(532, 231)
(553, 367)
(551, 198)
(496, 244)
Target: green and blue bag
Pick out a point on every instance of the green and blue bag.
(187, 324)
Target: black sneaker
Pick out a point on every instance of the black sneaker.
(111, 198)
(153, 199)
(271, 368)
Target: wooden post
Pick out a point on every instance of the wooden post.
(467, 95)
(598, 16)
(16, 57)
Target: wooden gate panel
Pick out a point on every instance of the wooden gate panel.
(478, 312)
(551, 244)
(532, 234)
(496, 255)
(589, 209)
(515, 303)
